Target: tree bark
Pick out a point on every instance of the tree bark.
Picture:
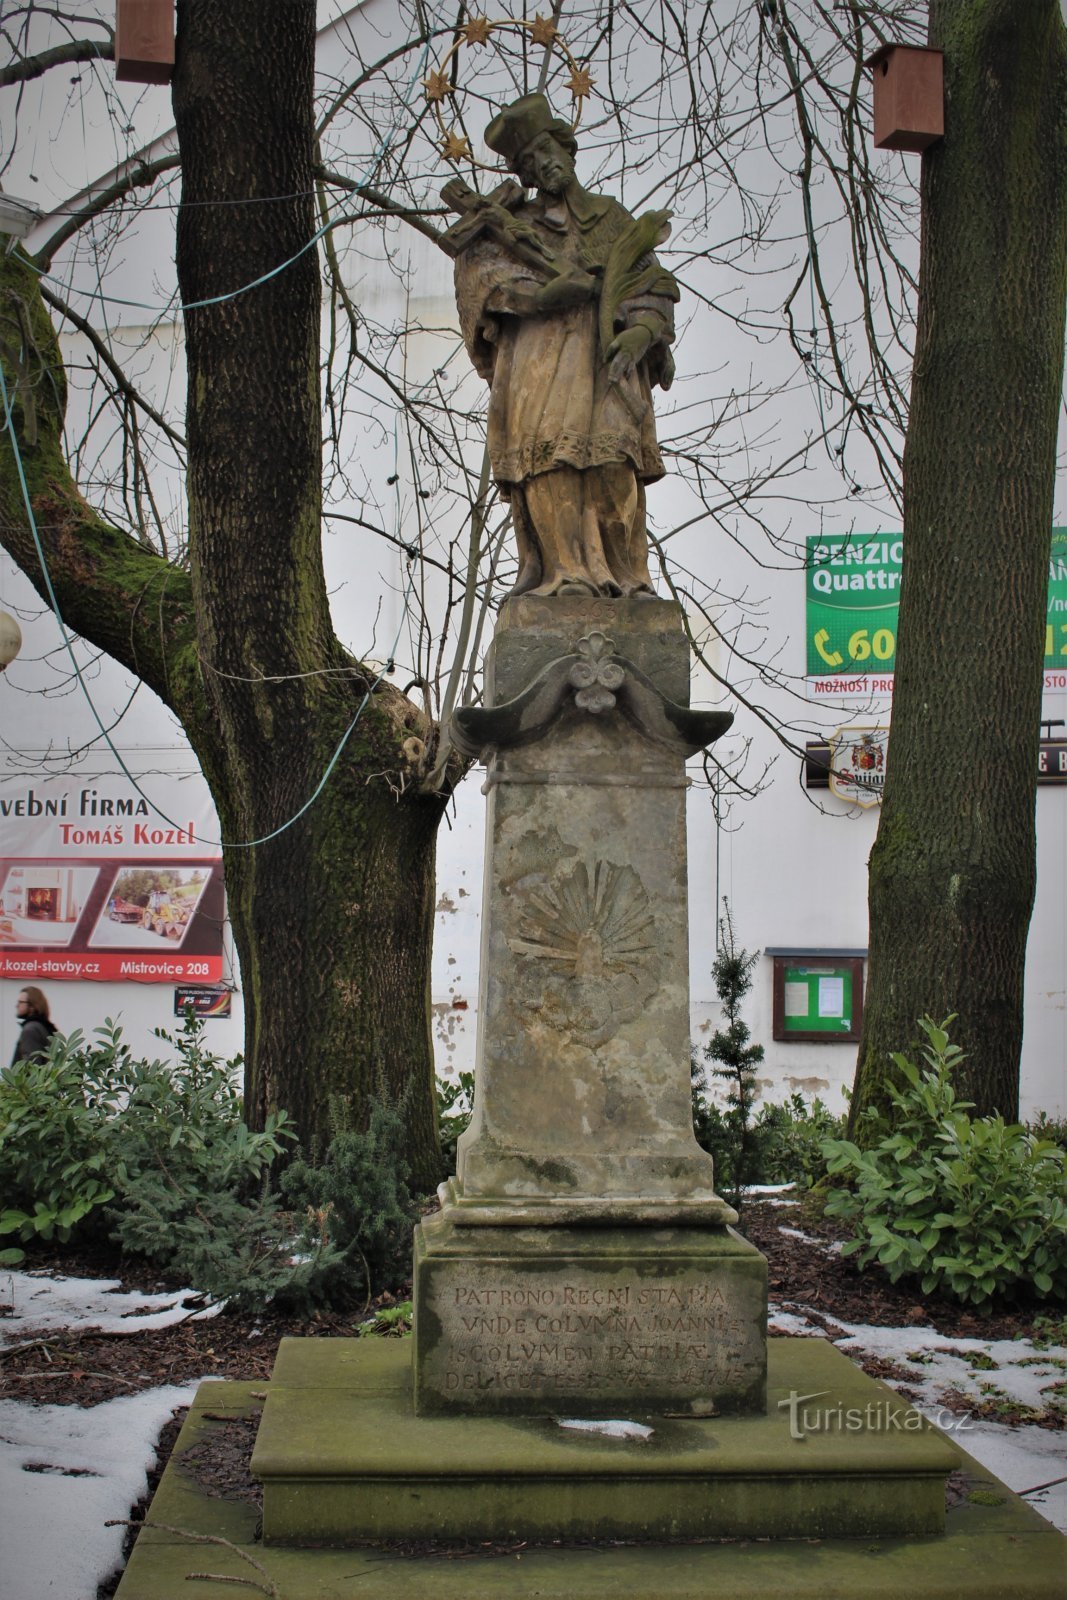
(332, 916)
(952, 872)
(333, 911)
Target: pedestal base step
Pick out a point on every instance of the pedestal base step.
(203, 1521)
(343, 1460)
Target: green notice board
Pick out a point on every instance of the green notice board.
(818, 998)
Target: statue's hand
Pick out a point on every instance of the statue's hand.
(572, 287)
(626, 350)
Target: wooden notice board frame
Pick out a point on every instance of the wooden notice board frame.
(818, 999)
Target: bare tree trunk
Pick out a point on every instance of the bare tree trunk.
(952, 872)
(333, 916)
(333, 912)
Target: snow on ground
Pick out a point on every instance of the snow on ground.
(832, 1247)
(71, 1469)
(1023, 1456)
(43, 1300)
(65, 1471)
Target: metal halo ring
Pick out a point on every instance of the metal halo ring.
(478, 30)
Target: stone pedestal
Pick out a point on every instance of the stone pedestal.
(582, 1265)
(589, 1322)
(583, 1256)
(690, 1509)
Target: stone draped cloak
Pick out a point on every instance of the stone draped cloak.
(551, 403)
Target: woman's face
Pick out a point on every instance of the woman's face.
(22, 1004)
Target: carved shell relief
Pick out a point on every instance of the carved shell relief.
(593, 928)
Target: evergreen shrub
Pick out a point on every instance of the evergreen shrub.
(357, 1207)
(153, 1153)
(730, 1132)
(192, 1182)
(975, 1208)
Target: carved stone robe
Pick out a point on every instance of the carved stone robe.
(551, 403)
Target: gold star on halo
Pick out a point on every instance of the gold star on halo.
(438, 87)
(543, 30)
(477, 31)
(579, 83)
(454, 147)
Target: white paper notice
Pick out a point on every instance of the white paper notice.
(796, 999)
(831, 997)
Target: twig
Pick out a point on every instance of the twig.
(221, 1577)
(17, 1349)
(1051, 1484)
(268, 1588)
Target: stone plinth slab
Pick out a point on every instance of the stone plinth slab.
(513, 1320)
(994, 1544)
(345, 1462)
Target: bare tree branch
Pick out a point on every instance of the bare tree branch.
(60, 56)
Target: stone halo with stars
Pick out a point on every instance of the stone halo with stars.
(439, 87)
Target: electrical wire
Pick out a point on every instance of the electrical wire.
(256, 283)
(225, 844)
(9, 427)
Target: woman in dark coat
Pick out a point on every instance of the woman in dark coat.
(31, 1008)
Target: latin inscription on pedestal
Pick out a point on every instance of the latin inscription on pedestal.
(588, 1336)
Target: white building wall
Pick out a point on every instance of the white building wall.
(792, 863)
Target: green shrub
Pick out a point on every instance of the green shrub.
(730, 1132)
(191, 1179)
(156, 1153)
(784, 1142)
(1046, 1127)
(455, 1100)
(973, 1208)
(789, 1141)
(53, 1159)
(357, 1206)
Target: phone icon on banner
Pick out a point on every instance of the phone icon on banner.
(833, 658)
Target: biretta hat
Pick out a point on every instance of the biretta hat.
(524, 120)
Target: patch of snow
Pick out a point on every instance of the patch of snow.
(794, 1323)
(1023, 1458)
(88, 1466)
(832, 1247)
(611, 1429)
(1020, 1371)
(772, 1194)
(42, 1300)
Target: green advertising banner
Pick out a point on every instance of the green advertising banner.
(1056, 626)
(853, 590)
(853, 587)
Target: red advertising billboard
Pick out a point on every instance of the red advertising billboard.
(96, 884)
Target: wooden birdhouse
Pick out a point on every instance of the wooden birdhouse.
(909, 96)
(144, 41)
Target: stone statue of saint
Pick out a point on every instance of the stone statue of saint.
(569, 317)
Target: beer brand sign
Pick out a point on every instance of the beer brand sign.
(857, 764)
